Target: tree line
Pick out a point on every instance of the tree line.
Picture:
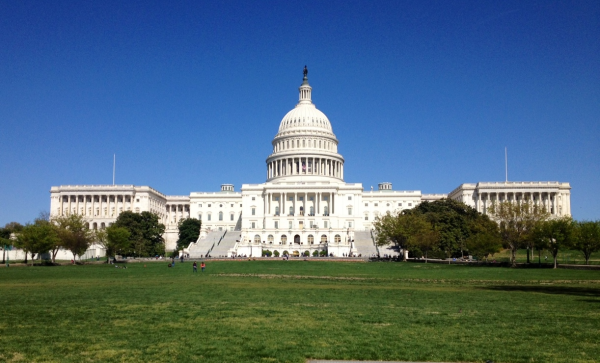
(132, 234)
(452, 228)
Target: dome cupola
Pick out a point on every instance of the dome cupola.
(305, 144)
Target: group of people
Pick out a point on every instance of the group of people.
(195, 266)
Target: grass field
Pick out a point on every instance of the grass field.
(276, 311)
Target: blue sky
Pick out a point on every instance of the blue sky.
(189, 95)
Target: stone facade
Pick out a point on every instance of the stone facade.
(304, 205)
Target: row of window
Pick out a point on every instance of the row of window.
(387, 204)
(310, 239)
(209, 216)
(209, 205)
(312, 224)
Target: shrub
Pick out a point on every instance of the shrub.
(276, 253)
(267, 253)
(306, 253)
(323, 253)
(286, 253)
(315, 253)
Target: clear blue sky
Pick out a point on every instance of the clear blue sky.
(189, 95)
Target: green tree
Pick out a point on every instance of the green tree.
(452, 220)
(484, 239)
(36, 238)
(117, 240)
(426, 241)
(74, 234)
(145, 233)
(189, 231)
(587, 238)
(5, 236)
(402, 229)
(517, 222)
(557, 233)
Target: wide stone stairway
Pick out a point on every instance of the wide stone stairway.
(364, 244)
(202, 246)
(228, 242)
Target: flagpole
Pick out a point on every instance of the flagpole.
(506, 164)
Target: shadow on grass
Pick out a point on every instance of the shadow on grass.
(555, 290)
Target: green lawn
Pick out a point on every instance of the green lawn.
(271, 311)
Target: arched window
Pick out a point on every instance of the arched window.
(337, 238)
(270, 239)
(102, 225)
(323, 238)
(256, 238)
(95, 225)
(231, 216)
(311, 239)
(220, 216)
(283, 238)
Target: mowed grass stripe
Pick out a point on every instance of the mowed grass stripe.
(99, 313)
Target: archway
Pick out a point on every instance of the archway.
(297, 239)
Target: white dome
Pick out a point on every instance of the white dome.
(305, 116)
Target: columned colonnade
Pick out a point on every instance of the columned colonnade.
(322, 202)
(484, 200)
(305, 166)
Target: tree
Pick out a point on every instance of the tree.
(453, 221)
(5, 236)
(402, 229)
(484, 239)
(38, 237)
(145, 233)
(426, 241)
(117, 240)
(558, 234)
(74, 234)
(189, 231)
(517, 221)
(587, 238)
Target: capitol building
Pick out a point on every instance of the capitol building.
(303, 206)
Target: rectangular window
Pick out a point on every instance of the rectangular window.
(325, 224)
(209, 206)
(349, 211)
(349, 224)
(291, 198)
(301, 198)
(410, 204)
(311, 198)
(232, 205)
(366, 204)
(399, 204)
(290, 224)
(366, 217)
(231, 217)
(276, 224)
(253, 211)
(200, 205)
(253, 198)
(277, 199)
(208, 218)
(349, 198)
(253, 225)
